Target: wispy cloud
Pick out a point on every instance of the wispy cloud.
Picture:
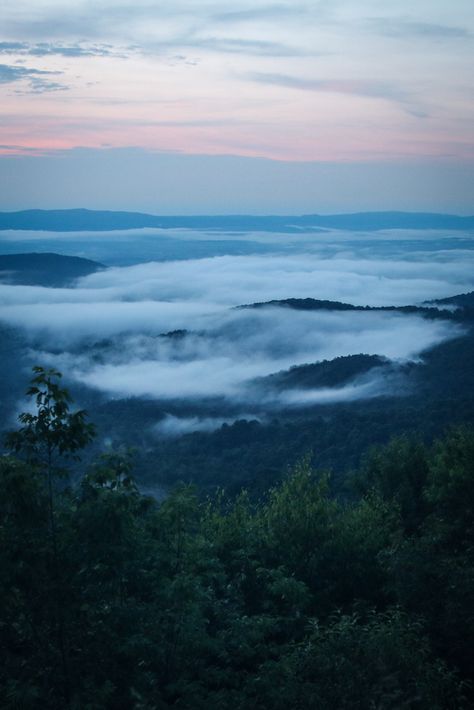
(231, 45)
(355, 87)
(36, 81)
(364, 88)
(408, 29)
(171, 425)
(9, 73)
(40, 86)
(14, 148)
(191, 40)
(45, 49)
(197, 41)
(269, 12)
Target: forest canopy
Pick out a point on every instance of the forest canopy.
(296, 599)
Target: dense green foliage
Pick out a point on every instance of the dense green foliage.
(110, 599)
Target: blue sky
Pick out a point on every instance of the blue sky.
(259, 106)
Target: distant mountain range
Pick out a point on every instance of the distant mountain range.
(44, 269)
(77, 220)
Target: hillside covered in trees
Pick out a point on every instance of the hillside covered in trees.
(292, 599)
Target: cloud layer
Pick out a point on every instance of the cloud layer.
(170, 330)
(238, 347)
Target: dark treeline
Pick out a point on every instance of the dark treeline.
(110, 599)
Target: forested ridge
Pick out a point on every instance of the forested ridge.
(295, 598)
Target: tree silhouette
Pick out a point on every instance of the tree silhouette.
(49, 436)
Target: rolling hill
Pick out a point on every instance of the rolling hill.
(44, 269)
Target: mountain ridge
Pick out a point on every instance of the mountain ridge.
(82, 219)
(45, 269)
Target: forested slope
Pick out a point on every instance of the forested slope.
(296, 600)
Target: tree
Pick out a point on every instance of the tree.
(48, 436)
(53, 431)
(51, 434)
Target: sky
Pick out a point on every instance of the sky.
(196, 106)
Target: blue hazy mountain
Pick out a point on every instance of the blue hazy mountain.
(44, 269)
(85, 220)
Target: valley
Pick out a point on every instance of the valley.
(218, 392)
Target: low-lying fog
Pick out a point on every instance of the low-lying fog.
(104, 331)
(231, 348)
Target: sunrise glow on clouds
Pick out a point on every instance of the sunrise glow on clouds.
(340, 81)
(278, 80)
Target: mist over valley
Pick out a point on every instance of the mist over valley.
(185, 332)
